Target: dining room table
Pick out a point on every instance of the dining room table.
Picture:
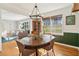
(36, 43)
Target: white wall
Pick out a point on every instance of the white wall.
(66, 12)
(77, 21)
(9, 20)
(7, 25)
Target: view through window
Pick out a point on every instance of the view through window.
(52, 24)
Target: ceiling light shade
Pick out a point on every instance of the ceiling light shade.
(75, 7)
(35, 13)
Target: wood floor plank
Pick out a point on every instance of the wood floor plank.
(9, 49)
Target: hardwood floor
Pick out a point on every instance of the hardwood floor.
(10, 49)
(65, 50)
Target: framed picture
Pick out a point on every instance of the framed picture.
(70, 20)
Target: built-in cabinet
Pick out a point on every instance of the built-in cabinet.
(36, 27)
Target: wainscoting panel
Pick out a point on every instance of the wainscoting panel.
(69, 38)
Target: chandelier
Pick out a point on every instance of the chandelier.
(35, 13)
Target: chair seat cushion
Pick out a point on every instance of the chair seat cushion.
(42, 52)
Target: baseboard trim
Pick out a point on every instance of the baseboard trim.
(67, 45)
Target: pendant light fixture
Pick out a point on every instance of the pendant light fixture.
(35, 13)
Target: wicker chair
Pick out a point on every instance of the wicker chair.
(23, 51)
(50, 48)
(22, 34)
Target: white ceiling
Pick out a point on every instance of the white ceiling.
(26, 8)
(6, 15)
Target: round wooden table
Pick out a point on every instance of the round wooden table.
(31, 43)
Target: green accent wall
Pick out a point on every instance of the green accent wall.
(69, 38)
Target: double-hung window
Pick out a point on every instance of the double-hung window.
(46, 25)
(53, 25)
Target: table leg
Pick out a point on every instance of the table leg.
(36, 52)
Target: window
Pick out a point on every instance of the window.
(46, 25)
(52, 24)
(56, 24)
(24, 25)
